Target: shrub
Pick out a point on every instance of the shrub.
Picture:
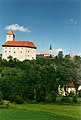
(65, 99)
(75, 99)
(5, 104)
(53, 96)
(50, 98)
(79, 93)
(1, 98)
(19, 99)
(71, 94)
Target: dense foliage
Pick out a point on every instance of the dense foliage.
(37, 79)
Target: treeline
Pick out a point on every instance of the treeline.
(37, 79)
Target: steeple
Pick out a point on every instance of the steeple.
(10, 32)
(50, 49)
(10, 35)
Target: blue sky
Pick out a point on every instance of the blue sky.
(44, 22)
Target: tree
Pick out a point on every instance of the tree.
(60, 55)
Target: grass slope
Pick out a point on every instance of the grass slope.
(41, 112)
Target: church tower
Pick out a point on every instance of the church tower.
(50, 50)
(10, 36)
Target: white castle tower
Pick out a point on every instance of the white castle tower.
(10, 36)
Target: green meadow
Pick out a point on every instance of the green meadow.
(40, 112)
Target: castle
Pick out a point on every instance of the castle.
(21, 50)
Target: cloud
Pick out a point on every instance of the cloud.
(79, 54)
(18, 27)
(73, 22)
(57, 50)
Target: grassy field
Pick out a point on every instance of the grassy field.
(41, 112)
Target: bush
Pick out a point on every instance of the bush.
(1, 98)
(71, 94)
(19, 99)
(75, 99)
(53, 96)
(65, 99)
(50, 98)
(5, 104)
(79, 93)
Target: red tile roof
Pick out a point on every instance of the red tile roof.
(19, 44)
(71, 85)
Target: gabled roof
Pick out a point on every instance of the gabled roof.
(10, 32)
(19, 44)
(70, 85)
(79, 82)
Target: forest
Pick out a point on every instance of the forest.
(37, 79)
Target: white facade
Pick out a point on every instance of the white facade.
(18, 51)
(21, 53)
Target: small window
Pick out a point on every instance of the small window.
(5, 51)
(22, 48)
(28, 55)
(9, 36)
(9, 51)
(21, 52)
(5, 47)
(14, 48)
(9, 47)
(17, 48)
(14, 51)
(28, 51)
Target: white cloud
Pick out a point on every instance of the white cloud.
(18, 27)
(73, 22)
(57, 50)
(79, 54)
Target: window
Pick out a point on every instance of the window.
(28, 55)
(17, 48)
(5, 47)
(28, 51)
(14, 51)
(9, 48)
(9, 51)
(21, 52)
(5, 51)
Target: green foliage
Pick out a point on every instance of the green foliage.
(75, 99)
(71, 94)
(19, 99)
(65, 99)
(37, 79)
(79, 93)
(51, 97)
(5, 104)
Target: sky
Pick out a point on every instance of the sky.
(44, 22)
